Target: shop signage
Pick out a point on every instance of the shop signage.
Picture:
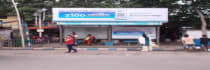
(40, 30)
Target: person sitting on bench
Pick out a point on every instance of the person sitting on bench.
(188, 42)
(89, 39)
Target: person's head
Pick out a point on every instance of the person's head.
(144, 35)
(73, 33)
(204, 36)
(68, 35)
(89, 34)
(186, 35)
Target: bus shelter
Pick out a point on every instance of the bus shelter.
(110, 23)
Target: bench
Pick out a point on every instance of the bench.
(130, 41)
(197, 42)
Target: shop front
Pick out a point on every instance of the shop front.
(110, 24)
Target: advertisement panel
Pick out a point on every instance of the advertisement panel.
(109, 23)
(110, 14)
(133, 32)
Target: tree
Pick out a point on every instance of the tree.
(202, 17)
(179, 15)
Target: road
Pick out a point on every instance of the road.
(102, 60)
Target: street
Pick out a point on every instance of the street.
(102, 60)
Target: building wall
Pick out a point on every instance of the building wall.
(10, 21)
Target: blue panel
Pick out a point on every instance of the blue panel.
(92, 49)
(109, 43)
(129, 33)
(197, 42)
(112, 49)
(86, 15)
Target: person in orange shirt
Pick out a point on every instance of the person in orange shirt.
(188, 42)
(91, 39)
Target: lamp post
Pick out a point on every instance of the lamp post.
(19, 23)
(40, 22)
(57, 0)
(36, 15)
(44, 10)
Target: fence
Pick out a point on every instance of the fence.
(17, 42)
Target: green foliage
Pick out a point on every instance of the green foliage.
(183, 14)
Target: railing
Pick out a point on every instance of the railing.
(17, 42)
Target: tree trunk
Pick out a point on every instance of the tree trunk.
(202, 18)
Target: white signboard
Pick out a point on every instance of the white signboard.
(133, 32)
(196, 33)
(40, 30)
(110, 14)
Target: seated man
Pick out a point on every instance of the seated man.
(188, 42)
(86, 39)
(89, 39)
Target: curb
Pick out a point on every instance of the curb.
(96, 49)
(86, 49)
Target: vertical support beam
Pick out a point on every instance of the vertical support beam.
(158, 34)
(28, 35)
(60, 34)
(109, 32)
(40, 25)
(36, 21)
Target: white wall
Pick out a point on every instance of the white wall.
(196, 33)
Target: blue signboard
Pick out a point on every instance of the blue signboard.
(129, 33)
(86, 15)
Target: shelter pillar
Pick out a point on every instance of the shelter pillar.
(109, 32)
(61, 34)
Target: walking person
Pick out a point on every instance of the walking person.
(73, 34)
(204, 43)
(144, 42)
(69, 43)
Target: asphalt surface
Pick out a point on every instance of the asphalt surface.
(102, 60)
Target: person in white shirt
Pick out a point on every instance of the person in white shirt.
(144, 42)
(73, 34)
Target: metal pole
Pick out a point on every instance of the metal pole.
(43, 16)
(158, 35)
(36, 21)
(61, 34)
(19, 23)
(40, 25)
(109, 33)
(27, 35)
